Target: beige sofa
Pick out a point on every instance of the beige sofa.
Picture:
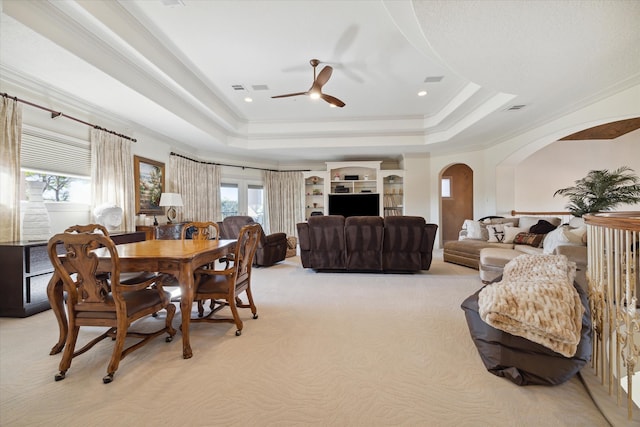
(490, 244)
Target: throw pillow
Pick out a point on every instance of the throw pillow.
(475, 230)
(553, 239)
(529, 239)
(542, 227)
(496, 233)
(510, 232)
(562, 236)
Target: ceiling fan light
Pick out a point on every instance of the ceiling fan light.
(314, 95)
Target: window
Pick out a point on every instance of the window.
(255, 202)
(229, 199)
(62, 162)
(445, 188)
(59, 188)
(242, 198)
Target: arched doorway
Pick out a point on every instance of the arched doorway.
(456, 199)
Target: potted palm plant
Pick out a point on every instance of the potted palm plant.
(602, 190)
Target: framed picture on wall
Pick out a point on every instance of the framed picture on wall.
(149, 182)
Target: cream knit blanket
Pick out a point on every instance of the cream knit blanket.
(537, 301)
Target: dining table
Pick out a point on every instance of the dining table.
(179, 258)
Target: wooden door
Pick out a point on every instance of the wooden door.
(457, 205)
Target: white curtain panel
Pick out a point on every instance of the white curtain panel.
(283, 201)
(112, 174)
(199, 185)
(10, 141)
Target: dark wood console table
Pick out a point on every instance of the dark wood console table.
(26, 271)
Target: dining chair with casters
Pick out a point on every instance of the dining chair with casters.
(125, 278)
(224, 286)
(95, 299)
(203, 230)
(207, 230)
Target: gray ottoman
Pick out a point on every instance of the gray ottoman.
(492, 262)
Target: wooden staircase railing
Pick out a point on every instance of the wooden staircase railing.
(614, 294)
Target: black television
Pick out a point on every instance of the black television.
(358, 204)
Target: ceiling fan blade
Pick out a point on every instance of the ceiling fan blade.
(324, 76)
(332, 100)
(290, 94)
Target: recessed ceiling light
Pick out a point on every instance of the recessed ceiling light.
(422, 93)
(247, 99)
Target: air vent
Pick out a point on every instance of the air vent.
(433, 79)
(260, 87)
(237, 87)
(516, 107)
(172, 3)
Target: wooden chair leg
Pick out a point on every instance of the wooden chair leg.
(200, 308)
(236, 317)
(171, 312)
(121, 335)
(254, 310)
(69, 348)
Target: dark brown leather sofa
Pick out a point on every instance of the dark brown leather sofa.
(272, 248)
(366, 243)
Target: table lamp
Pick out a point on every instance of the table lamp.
(172, 200)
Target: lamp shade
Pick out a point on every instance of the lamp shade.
(170, 199)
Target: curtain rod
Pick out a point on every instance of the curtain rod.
(56, 114)
(236, 166)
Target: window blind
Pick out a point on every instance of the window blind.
(55, 153)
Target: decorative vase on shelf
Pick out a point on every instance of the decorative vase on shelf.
(36, 222)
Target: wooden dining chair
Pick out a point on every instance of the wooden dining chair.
(201, 230)
(96, 297)
(224, 286)
(129, 278)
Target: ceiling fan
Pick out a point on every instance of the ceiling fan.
(315, 91)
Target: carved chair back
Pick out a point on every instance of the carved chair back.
(202, 230)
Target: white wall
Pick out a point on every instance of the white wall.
(417, 186)
(623, 105)
(570, 161)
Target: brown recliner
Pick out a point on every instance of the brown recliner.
(408, 243)
(322, 243)
(366, 243)
(364, 236)
(272, 248)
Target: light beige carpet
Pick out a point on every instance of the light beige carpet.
(328, 349)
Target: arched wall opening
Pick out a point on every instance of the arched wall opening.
(456, 199)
